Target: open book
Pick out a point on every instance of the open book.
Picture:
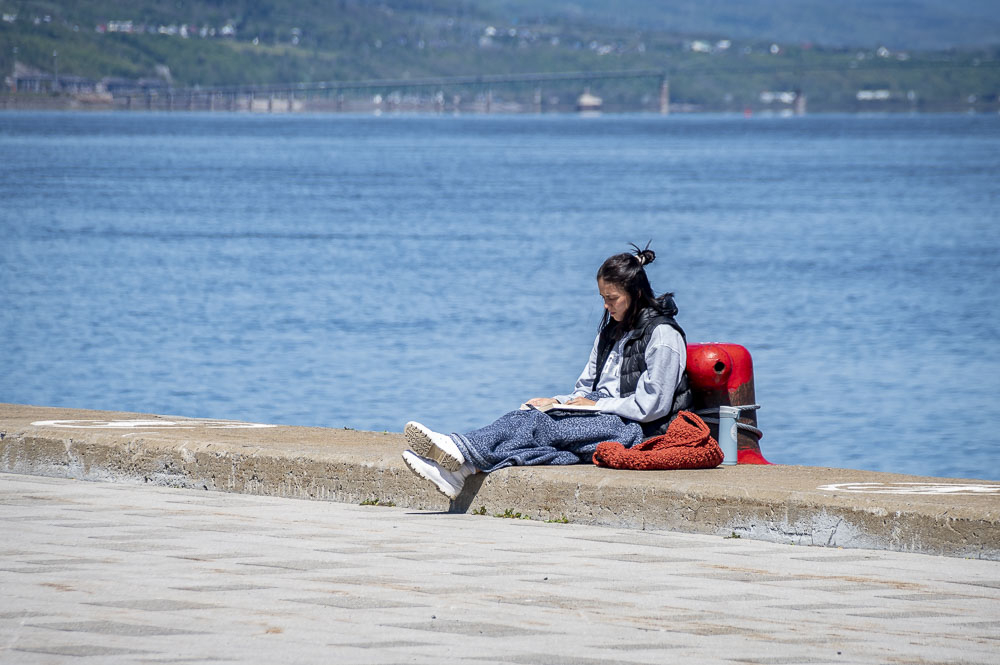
(562, 407)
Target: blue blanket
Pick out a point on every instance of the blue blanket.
(532, 437)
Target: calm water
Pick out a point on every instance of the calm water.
(360, 271)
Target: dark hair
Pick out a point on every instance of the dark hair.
(626, 272)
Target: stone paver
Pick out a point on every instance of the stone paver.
(116, 573)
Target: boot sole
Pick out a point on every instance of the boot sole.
(419, 474)
(422, 445)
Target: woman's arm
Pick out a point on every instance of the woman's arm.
(666, 357)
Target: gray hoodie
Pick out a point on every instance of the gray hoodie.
(666, 358)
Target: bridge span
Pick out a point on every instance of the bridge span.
(463, 92)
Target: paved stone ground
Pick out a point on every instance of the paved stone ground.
(116, 573)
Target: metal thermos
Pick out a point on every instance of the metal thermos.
(728, 416)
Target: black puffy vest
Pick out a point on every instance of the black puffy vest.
(634, 359)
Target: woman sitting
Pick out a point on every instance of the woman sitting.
(635, 380)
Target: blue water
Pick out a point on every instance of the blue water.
(360, 271)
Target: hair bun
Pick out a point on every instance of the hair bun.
(645, 255)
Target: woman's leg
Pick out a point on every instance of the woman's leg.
(434, 446)
(530, 437)
(449, 483)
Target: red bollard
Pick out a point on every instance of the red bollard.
(722, 375)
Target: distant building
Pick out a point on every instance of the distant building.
(872, 95)
(786, 101)
(588, 102)
(780, 97)
(28, 79)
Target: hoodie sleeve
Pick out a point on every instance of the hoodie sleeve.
(666, 358)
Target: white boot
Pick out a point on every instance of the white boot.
(433, 446)
(447, 482)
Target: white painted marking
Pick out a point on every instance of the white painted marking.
(135, 424)
(912, 488)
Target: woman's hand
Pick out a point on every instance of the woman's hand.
(541, 401)
(583, 401)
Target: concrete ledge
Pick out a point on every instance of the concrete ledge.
(786, 504)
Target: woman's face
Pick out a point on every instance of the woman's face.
(616, 301)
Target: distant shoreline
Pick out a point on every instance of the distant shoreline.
(46, 102)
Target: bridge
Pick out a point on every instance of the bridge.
(382, 93)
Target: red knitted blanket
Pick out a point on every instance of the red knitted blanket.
(686, 444)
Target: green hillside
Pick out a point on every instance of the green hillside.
(229, 42)
(910, 24)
